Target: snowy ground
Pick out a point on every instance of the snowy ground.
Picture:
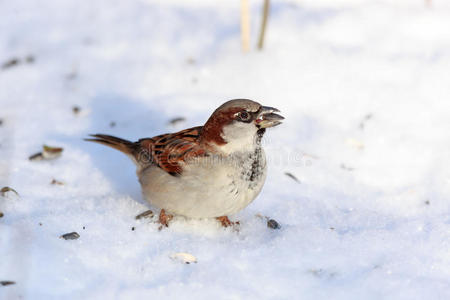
(364, 87)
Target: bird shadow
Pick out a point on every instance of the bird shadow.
(126, 118)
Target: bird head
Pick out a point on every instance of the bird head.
(238, 125)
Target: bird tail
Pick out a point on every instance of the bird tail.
(122, 145)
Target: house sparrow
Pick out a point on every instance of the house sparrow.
(209, 171)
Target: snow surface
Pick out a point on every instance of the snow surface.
(364, 87)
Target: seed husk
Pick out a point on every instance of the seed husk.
(176, 120)
(7, 189)
(288, 174)
(145, 214)
(70, 236)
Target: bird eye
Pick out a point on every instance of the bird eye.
(244, 116)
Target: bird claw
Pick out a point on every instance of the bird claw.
(226, 222)
(164, 219)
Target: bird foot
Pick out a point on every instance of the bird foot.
(164, 219)
(226, 222)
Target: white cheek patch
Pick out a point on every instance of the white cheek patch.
(239, 136)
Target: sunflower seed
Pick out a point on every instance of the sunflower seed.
(272, 224)
(56, 182)
(36, 156)
(145, 214)
(10, 63)
(76, 109)
(70, 236)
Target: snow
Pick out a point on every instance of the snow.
(363, 86)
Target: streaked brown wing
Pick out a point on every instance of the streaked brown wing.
(168, 150)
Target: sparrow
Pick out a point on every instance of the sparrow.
(209, 171)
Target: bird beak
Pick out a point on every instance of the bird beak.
(267, 117)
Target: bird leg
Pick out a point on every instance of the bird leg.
(164, 218)
(226, 222)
